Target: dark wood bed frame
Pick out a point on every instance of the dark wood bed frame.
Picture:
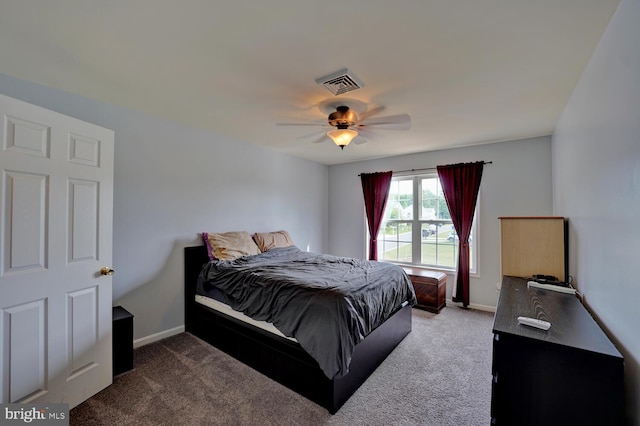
(282, 359)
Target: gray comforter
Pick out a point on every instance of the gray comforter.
(328, 303)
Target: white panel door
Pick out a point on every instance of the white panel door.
(56, 216)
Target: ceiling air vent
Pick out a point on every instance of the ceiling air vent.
(340, 82)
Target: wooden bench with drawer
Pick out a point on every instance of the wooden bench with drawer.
(430, 288)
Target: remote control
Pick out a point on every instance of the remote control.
(551, 287)
(533, 322)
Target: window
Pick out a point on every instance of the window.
(417, 227)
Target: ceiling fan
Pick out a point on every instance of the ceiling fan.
(348, 124)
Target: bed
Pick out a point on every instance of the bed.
(283, 359)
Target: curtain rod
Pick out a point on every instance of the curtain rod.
(427, 169)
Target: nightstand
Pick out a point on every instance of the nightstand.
(430, 288)
(122, 327)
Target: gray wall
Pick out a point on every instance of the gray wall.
(172, 182)
(596, 167)
(518, 183)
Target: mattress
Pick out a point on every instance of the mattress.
(227, 310)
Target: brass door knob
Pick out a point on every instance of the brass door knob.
(106, 271)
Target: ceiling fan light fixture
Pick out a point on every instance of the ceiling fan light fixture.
(342, 137)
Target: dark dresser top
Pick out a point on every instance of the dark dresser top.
(571, 323)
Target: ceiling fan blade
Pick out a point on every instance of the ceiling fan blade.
(321, 139)
(315, 133)
(300, 124)
(373, 111)
(385, 126)
(392, 122)
(366, 133)
(359, 140)
(388, 119)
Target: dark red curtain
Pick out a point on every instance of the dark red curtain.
(460, 184)
(375, 188)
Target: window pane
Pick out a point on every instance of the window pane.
(448, 247)
(434, 205)
(436, 250)
(400, 201)
(395, 242)
(429, 195)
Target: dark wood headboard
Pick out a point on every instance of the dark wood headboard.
(194, 259)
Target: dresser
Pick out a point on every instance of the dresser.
(570, 374)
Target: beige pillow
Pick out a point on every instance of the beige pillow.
(230, 245)
(268, 240)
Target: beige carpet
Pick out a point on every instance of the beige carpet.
(439, 375)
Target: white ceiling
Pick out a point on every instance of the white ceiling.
(467, 71)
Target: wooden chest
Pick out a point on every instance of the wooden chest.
(430, 288)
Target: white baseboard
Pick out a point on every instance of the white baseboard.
(475, 306)
(157, 336)
(482, 307)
